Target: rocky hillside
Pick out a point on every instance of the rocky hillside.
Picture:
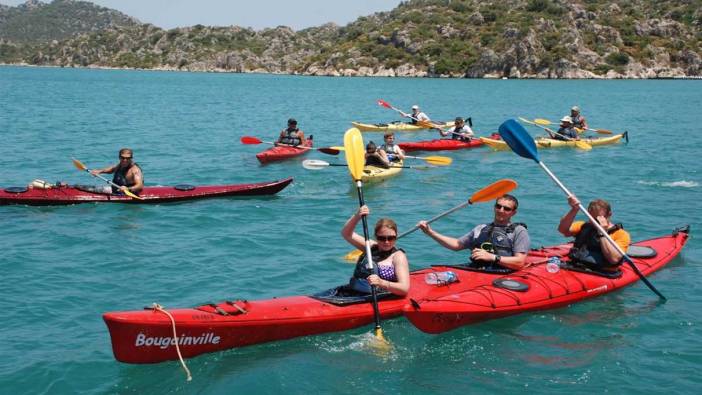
(453, 38)
(37, 22)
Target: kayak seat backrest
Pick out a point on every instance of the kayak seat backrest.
(16, 189)
(344, 296)
(92, 189)
(184, 187)
(577, 267)
(641, 252)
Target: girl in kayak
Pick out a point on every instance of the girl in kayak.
(376, 157)
(390, 267)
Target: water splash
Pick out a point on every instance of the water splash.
(672, 184)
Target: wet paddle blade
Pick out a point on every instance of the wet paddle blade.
(541, 121)
(602, 131)
(355, 153)
(353, 255)
(329, 150)
(494, 191)
(250, 140)
(314, 164)
(518, 139)
(383, 103)
(438, 160)
(78, 164)
(132, 195)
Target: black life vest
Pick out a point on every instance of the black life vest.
(496, 239)
(374, 160)
(362, 271)
(586, 247)
(291, 137)
(120, 177)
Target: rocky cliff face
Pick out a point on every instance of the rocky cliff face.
(435, 38)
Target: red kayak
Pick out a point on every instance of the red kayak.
(63, 195)
(488, 296)
(146, 336)
(440, 145)
(281, 152)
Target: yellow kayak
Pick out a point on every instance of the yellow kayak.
(394, 126)
(375, 173)
(544, 142)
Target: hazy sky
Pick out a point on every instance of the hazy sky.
(258, 14)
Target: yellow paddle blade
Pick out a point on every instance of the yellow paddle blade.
(353, 255)
(494, 190)
(601, 131)
(78, 164)
(381, 344)
(541, 121)
(438, 160)
(132, 195)
(428, 124)
(355, 152)
(337, 148)
(582, 145)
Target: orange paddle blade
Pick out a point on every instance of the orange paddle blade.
(78, 164)
(494, 191)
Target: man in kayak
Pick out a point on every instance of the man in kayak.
(591, 248)
(393, 152)
(460, 131)
(577, 119)
(390, 267)
(416, 115)
(291, 135)
(127, 173)
(376, 157)
(497, 246)
(566, 132)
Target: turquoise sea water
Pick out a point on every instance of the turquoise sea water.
(62, 267)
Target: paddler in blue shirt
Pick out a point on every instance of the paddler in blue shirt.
(127, 174)
(565, 132)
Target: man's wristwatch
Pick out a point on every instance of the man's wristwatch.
(497, 258)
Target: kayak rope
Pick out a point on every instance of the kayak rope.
(158, 307)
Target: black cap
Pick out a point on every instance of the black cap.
(292, 121)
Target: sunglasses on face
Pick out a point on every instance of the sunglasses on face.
(504, 208)
(386, 238)
(125, 157)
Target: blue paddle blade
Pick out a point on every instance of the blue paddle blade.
(518, 139)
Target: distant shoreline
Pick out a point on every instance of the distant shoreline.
(224, 71)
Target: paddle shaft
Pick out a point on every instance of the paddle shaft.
(603, 232)
(369, 256)
(445, 213)
(399, 167)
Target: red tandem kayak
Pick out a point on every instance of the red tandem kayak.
(283, 152)
(440, 145)
(485, 297)
(146, 336)
(64, 195)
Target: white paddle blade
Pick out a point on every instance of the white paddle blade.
(314, 164)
